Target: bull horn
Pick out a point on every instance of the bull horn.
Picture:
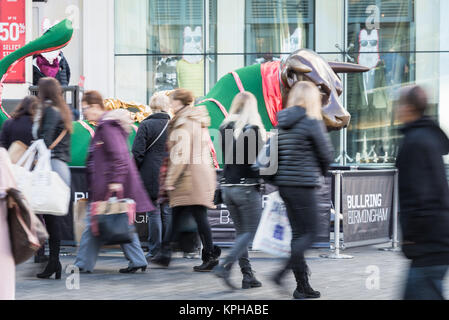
(346, 67)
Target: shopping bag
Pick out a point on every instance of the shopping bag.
(45, 190)
(274, 233)
(112, 221)
(79, 216)
(26, 231)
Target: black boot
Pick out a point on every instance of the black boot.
(162, 258)
(210, 260)
(53, 266)
(249, 280)
(224, 272)
(303, 288)
(132, 270)
(40, 256)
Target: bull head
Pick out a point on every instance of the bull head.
(307, 65)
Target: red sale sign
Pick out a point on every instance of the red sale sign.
(12, 35)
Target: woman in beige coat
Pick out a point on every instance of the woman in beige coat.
(191, 178)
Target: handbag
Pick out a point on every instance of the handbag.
(26, 231)
(112, 221)
(44, 188)
(266, 163)
(274, 235)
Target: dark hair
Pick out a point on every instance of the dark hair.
(416, 97)
(26, 107)
(50, 89)
(183, 95)
(93, 97)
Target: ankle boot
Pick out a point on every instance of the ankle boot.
(210, 260)
(303, 288)
(162, 258)
(224, 272)
(53, 266)
(249, 280)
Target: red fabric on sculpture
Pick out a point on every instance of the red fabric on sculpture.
(271, 89)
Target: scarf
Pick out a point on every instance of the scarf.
(49, 70)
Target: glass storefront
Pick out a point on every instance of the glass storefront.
(165, 44)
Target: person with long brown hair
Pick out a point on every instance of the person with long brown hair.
(53, 122)
(18, 128)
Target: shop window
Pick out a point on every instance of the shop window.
(276, 28)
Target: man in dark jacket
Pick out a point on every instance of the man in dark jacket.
(423, 197)
(149, 150)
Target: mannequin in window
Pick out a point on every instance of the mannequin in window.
(368, 101)
(165, 78)
(190, 68)
(51, 64)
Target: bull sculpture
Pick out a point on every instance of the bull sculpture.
(270, 82)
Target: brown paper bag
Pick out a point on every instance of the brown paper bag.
(79, 215)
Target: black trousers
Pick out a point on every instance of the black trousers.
(180, 214)
(301, 208)
(53, 225)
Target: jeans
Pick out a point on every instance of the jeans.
(301, 206)
(90, 248)
(245, 207)
(53, 223)
(159, 224)
(425, 283)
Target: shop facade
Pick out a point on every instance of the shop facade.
(165, 44)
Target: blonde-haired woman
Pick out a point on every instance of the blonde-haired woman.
(149, 150)
(242, 135)
(304, 155)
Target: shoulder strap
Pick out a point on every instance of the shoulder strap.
(58, 140)
(159, 136)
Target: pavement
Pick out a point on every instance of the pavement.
(370, 275)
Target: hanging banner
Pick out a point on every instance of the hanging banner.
(367, 202)
(13, 35)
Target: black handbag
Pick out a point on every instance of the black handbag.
(113, 221)
(115, 229)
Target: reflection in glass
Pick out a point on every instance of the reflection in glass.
(274, 27)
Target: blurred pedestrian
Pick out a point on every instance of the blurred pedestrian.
(19, 127)
(304, 155)
(191, 177)
(149, 150)
(110, 169)
(242, 136)
(7, 264)
(423, 197)
(53, 124)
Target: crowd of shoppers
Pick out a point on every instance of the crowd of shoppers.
(170, 175)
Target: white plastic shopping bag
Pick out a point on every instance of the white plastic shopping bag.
(45, 190)
(274, 233)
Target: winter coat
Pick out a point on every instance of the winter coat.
(109, 162)
(304, 149)
(51, 127)
(63, 75)
(17, 130)
(239, 165)
(190, 168)
(149, 161)
(424, 193)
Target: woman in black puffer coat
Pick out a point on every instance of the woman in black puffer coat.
(304, 154)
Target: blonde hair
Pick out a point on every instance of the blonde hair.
(160, 102)
(305, 94)
(244, 111)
